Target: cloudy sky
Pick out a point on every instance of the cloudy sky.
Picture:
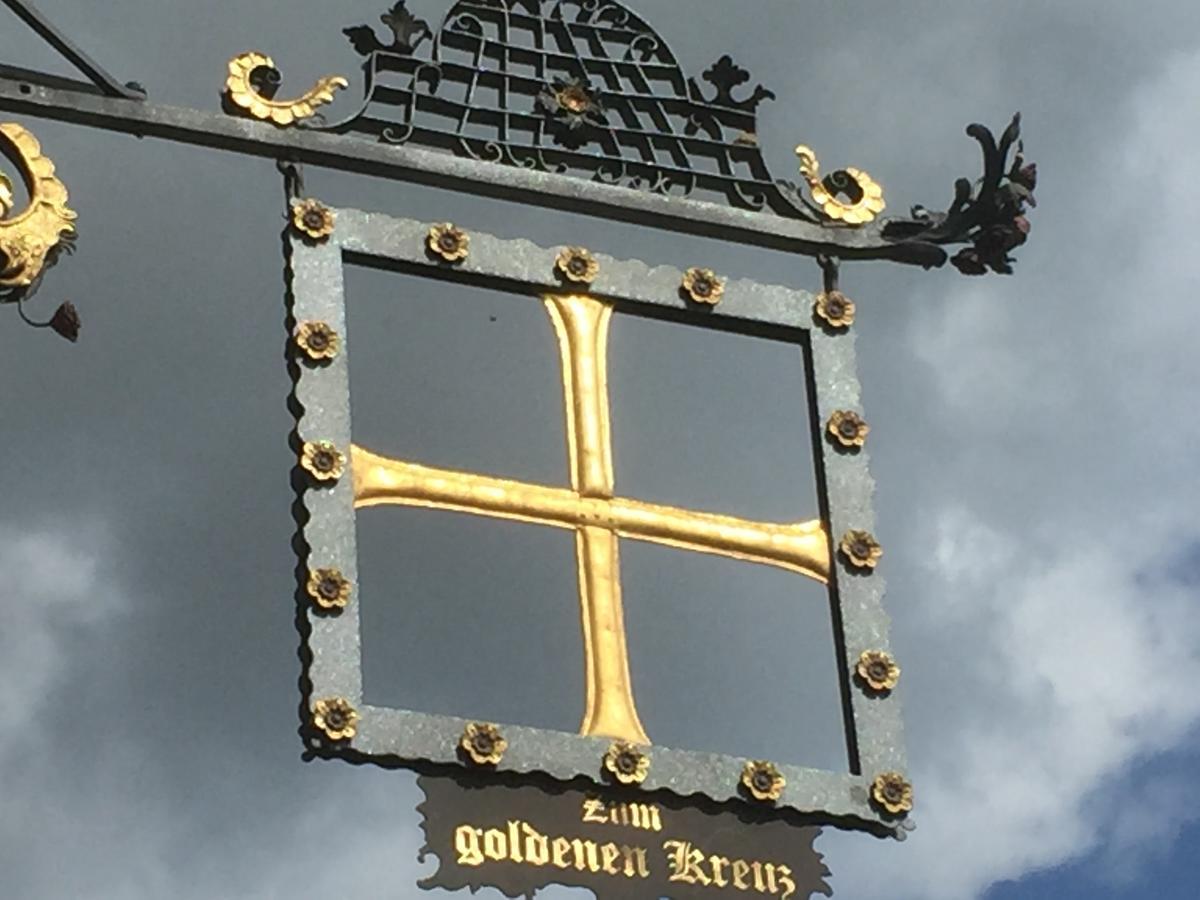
(1030, 439)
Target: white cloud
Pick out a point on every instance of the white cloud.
(51, 589)
(1048, 521)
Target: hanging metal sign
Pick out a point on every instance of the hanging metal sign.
(579, 105)
(520, 837)
(581, 291)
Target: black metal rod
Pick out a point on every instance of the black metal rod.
(29, 14)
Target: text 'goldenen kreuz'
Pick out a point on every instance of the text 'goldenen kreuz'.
(520, 843)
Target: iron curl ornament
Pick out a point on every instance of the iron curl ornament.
(990, 214)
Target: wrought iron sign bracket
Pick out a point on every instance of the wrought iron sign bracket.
(575, 136)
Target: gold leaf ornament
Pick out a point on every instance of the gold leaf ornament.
(28, 237)
(863, 196)
(241, 91)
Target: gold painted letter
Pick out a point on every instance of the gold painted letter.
(514, 841)
(740, 871)
(631, 869)
(785, 879)
(719, 863)
(685, 862)
(466, 842)
(608, 856)
(593, 811)
(585, 855)
(537, 846)
(495, 845)
(561, 848)
(644, 815)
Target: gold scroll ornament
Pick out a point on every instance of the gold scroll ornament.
(864, 197)
(242, 92)
(591, 509)
(28, 237)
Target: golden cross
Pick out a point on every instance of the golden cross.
(598, 517)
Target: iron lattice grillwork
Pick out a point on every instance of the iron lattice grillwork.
(579, 87)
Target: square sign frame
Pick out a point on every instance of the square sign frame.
(332, 641)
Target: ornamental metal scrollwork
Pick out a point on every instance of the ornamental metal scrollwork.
(253, 81)
(863, 197)
(588, 89)
(576, 87)
(989, 214)
(31, 239)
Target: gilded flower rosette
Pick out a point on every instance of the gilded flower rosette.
(313, 219)
(483, 744)
(878, 670)
(317, 340)
(328, 588)
(848, 428)
(892, 792)
(335, 718)
(576, 264)
(323, 460)
(763, 780)
(449, 242)
(834, 309)
(860, 549)
(627, 763)
(703, 286)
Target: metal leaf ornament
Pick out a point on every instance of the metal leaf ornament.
(989, 214)
(725, 75)
(408, 30)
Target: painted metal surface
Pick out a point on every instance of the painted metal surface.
(328, 525)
